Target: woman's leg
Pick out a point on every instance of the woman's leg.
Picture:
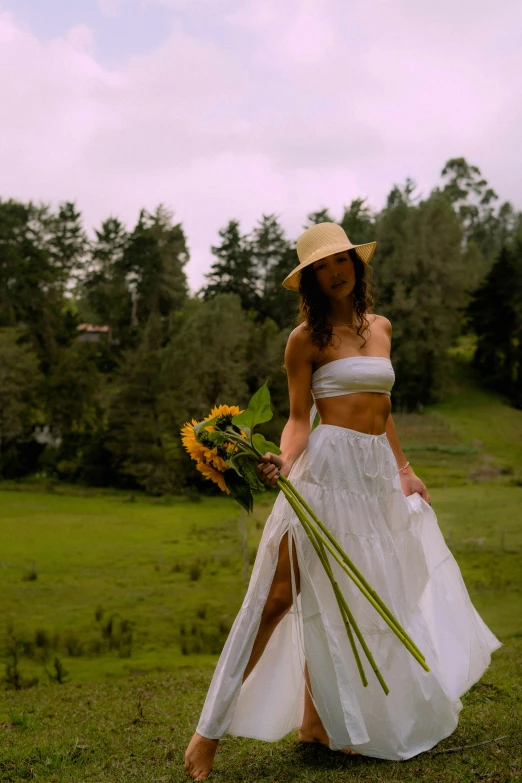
(278, 603)
(200, 753)
(312, 729)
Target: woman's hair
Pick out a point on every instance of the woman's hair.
(314, 306)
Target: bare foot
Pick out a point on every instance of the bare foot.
(199, 756)
(317, 734)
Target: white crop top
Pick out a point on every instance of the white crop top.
(353, 374)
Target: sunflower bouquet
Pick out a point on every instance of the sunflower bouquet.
(227, 451)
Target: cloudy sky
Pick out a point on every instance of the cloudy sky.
(227, 109)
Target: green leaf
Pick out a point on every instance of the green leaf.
(245, 429)
(239, 489)
(235, 463)
(258, 410)
(202, 424)
(245, 466)
(251, 475)
(217, 437)
(263, 445)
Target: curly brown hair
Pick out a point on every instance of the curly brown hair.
(314, 305)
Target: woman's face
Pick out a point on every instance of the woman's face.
(335, 275)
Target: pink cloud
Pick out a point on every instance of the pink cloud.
(304, 108)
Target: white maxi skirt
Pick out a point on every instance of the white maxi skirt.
(350, 480)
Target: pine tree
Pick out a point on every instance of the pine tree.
(234, 271)
(496, 316)
(105, 287)
(153, 262)
(321, 216)
(32, 282)
(358, 221)
(273, 257)
(67, 241)
(420, 269)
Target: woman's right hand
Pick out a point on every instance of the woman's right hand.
(270, 467)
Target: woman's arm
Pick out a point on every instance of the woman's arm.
(393, 440)
(294, 438)
(410, 483)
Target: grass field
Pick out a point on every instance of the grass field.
(134, 597)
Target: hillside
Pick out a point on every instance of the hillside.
(134, 596)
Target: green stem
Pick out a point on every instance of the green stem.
(400, 635)
(321, 554)
(348, 618)
(376, 606)
(245, 444)
(362, 641)
(318, 540)
(355, 570)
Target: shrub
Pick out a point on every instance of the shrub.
(73, 646)
(13, 677)
(41, 639)
(31, 575)
(60, 672)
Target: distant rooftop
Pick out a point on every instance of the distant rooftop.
(93, 328)
(91, 333)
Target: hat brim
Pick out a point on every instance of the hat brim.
(365, 252)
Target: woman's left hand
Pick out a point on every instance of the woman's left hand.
(411, 483)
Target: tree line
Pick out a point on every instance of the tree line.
(104, 354)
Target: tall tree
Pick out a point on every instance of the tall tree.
(138, 433)
(496, 316)
(234, 271)
(66, 240)
(392, 230)
(474, 202)
(273, 257)
(105, 287)
(76, 401)
(420, 268)
(265, 362)
(32, 284)
(153, 262)
(321, 216)
(359, 222)
(205, 362)
(20, 387)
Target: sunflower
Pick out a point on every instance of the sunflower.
(212, 458)
(230, 447)
(196, 449)
(209, 458)
(213, 475)
(223, 410)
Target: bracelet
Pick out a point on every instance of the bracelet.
(401, 470)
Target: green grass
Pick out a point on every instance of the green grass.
(137, 729)
(472, 436)
(154, 566)
(172, 569)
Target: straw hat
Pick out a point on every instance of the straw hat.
(319, 241)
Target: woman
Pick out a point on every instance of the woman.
(287, 663)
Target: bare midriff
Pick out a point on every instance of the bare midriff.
(363, 411)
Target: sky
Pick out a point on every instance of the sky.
(230, 109)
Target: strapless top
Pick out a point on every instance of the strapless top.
(353, 374)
